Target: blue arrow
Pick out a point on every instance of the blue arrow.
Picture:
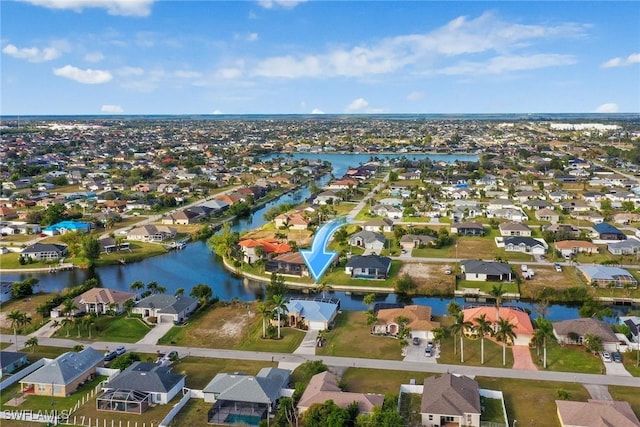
(318, 258)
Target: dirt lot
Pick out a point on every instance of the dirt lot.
(301, 237)
(548, 277)
(476, 248)
(223, 325)
(27, 305)
(430, 278)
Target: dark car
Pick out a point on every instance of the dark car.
(617, 357)
(416, 341)
(109, 356)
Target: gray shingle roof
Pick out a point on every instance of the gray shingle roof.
(263, 388)
(169, 304)
(9, 357)
(65, 368)
(147, 377)
(450, 395)
(44, 247)
(586, 326)
(472, 266)
(369, 261)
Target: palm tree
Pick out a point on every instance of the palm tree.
(265, 311)
(42, 310)
(280, 307)
(128, 305)
(497, 291)
(179, 292)
(153, 287)
(482, 327)
(89, 321)
(31, 343)
(323, 287)
(459, 327)
(137, 286)
(504, 333)
(113, 307)
(15, 316)
(65, 323)
(543, 331)
(68, 307)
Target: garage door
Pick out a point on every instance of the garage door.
(166, 318)
(316, 326)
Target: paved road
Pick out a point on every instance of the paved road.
(348, 362)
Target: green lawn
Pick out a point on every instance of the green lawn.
(362, 380)
(491, 410)
(340, 278)
(568, 358)
(351, 337)
(40, 351)
(628, 394)
(492, 353)
(201, 370)
(487, 286)
(107, 328)
(291, 340)
(410, 408)
(630, 359)
(193, 414)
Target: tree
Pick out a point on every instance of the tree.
(497, 292)
(594, 308)
(504, 333)
(23, 288)
(326, 414)
(31, 343)
(279, 306)
(323, 287)
(15, 316)
(77, 348)
(223, 243)
(153, 287)
(460, 326)
(265, 312)
(122, 362)
(68, 306)
(137, 286)
(482, 327)
(439, 334)
(276, 286)
(43, 310)
(384, 417)
(89, 320)
(66, 322)
(202, 292)
(369, 300)
(593, 343)
(91, 248)
(128, 305)
(405, 284)
(542, 333)
(453, 308)
(179, 292)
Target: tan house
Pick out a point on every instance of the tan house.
(450, 400)
(547, 214)
(63, 375)
(574, 247)
(324, 386)
(419, 321)
(152, 233)
(596, 413)
(294, 221)
(514, 229)
(97, 300)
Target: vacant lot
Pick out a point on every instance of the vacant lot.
(301, 237)
(568, 358)
(430, 279)
(548, 278)
(27, 305)
(472, 353)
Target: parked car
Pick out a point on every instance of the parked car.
(558, 267)
(606, 356)
(171, 355)
(416, 341)
(109, 356)
(429, 344)
(121, 350)
(428, 352)
(617, 357)
(447, 270)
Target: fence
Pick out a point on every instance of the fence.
(495, 394)
(176, 408)
(21, 374)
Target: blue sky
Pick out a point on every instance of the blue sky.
(300, 57)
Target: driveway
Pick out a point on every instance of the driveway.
(522, 358)
(616, 369)
(598, 392)
(415, 353)
(308, 344)
(156, 333)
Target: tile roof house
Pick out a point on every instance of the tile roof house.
(288, 264)
(573, 331)
(97, 300)
(450, 400)
(311, 314)
(240, 394)
(270, 246)
(368, 267)
(478, 270)
(519, 319)
(294, 221)
(324, 386)
(45, 251)
(166, 308)
(149, 382)
(596, 413)
(63, 375)
(572, 247)
(419, 321)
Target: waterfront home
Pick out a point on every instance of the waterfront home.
(139, 386)
(450, 400)
(166, 308)
(467, 229)
(45, 251)
(482, 271)
(294, 221)
(325, 386)
(270, 247)
(633, 322)
(519, 319)
(368, 267)
(606, 231)
(109, 245)
(514, 229)
(288, 264)
(603, 276)
(11, 361)
(419, 321)
(97, 300)
(596, 413)
(326, 197)
(152, 233)
(316, 315)
(574, 247)
(63, 375)
(239, 397)
(183, 217)
(368, 240)
(574, 331)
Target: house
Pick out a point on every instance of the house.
(388, 211)
(419, 317)
(596, 413)
(575, 206)
(6, 213)
(525, 245)
(97, 300)
(482, 271)
(467, 229)
(311, 314)
(368, 267)
(369, 240)
(166, 308)
(633, 322)
(326, 197)
(546, 214)
(574, 247)
(110, 245)
(573, 331)
(67, 227)
(294, 221)
(520, 320)
(139, 386)
(379, 225)
(184, 217)
(288, 264)
(537, 204)
(514, 229)
(325, 386)
(152, 233)
(63, 375)
(631, 246)
(450, 400)
(510, 214)
(45, 251)
(604, 276)
(562, 230)
(269, 246)
(11, 361)
(235, 396)
(606, 231)
(409, 242)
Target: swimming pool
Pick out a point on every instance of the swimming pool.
(251, 420)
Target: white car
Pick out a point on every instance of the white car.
(606, 356)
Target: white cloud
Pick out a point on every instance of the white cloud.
(216, 112)
(634, 58)
(186, 74)
(317, 111)
(609, 107)
(228, 73)
(111, 109)
(250, 37)
(130, 71)
(94, 57)
(461, 36)
(33, 54)
(503, 64)
(415, 96)
(358, 104)
(87, 76)
(113, 7)
(288, 4)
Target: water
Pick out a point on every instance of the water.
(198, 264)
